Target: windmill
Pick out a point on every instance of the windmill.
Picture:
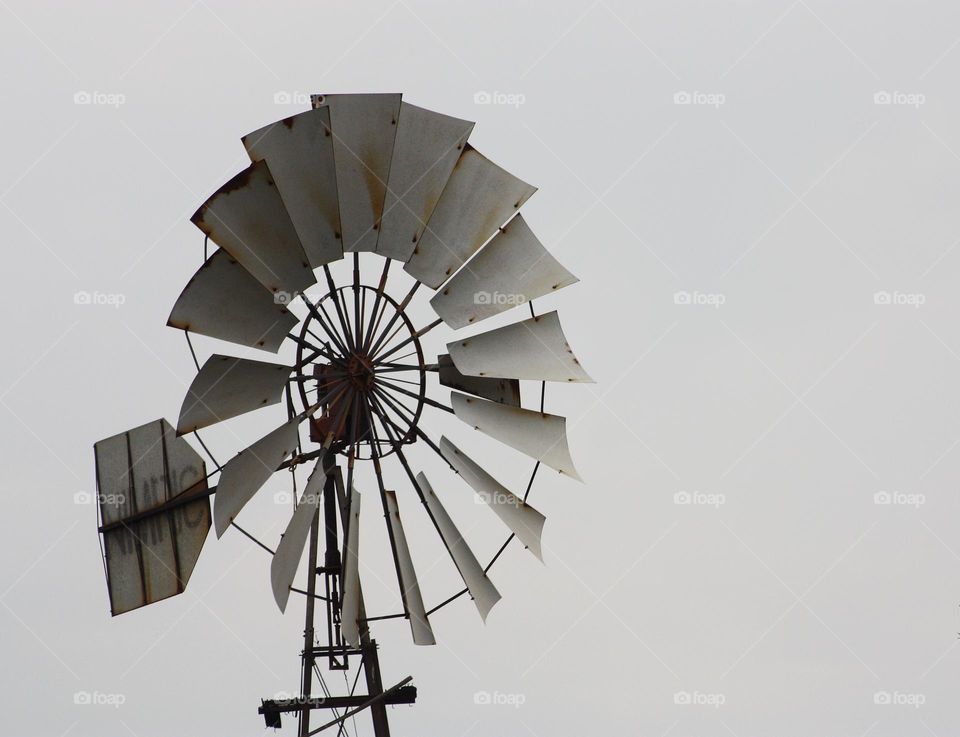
(356, 173)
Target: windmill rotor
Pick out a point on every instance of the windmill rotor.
(357, 178)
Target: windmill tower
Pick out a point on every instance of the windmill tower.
(356, 174)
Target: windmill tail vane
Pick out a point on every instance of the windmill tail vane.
(356, 174)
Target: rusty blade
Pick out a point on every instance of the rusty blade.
(419, 624)
(247, 218)
(478, 199)
(426, 149)
(299, 152)
(523, 520)
(364, 127)
(504, 391)
(283, 565)
(227, 387)
(223, 301)
(244, 474)
(482, 590)
(512, 269)
(350, 606)
(533, 349)
(151, 545)
(538, 435)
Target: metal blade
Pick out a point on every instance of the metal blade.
(350, 606)
(283, 566)
(364, 127)
(481, 589)
(523, 520)
(504, 391)
(244, 474)
(540, 436)
(532, 349)
(426, 149)
(299, 152)
(509, 271)
(227, 387)
(419, 624)
(223, 301)
(154, 513)
(478, 199)
(247, 218)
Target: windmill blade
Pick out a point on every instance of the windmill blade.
(523, 520)
(154, 513)
(223, 301)
(299, 152)
(413, 600)
(227, 387)
(247, 218)
(512, 269)
(478, 199)
(283, 566)
(532, 349)
(481, 588)
(244, 474)
(350, 606)
(364, 127)
(426, 149)
(503, 391)
(540, 436)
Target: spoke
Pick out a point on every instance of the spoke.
(396, 316)
(332, 288)
(317, 351)
(333, 334)
(368, 336)
(416, 336)
(357, 320)
(394, 367)
(425, 400)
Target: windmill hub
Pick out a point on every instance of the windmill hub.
(360, 372)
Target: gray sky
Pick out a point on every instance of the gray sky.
(767, 304)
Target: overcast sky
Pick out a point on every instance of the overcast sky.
(760, 200)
